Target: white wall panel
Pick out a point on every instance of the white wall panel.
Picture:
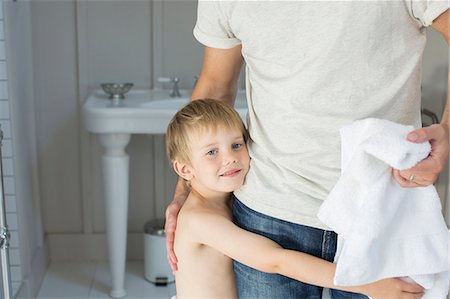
(2, 31)
(3, 71)
(5, 125)
(57, 114)
(20, 91)
(4, 109)
(11, 219)
(10, 202)
(8, 167)
(119, 42)
(9, 185)
(4, 94)
(7, 150)
(2, 50)
(182, 54)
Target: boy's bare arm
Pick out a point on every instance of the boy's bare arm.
(315, 271)
(265, 255)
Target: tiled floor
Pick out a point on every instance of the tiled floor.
(77, 280)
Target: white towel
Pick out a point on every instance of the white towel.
(385, 230)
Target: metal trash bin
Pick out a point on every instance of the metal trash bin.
(157, 269)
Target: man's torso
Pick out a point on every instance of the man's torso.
(312, 67)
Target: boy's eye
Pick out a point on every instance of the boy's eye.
(236, 145)
(211, 152)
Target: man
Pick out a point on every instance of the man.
(311, 67)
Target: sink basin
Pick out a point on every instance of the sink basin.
(141, 112)
(165, 104)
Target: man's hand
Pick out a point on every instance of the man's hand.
(393, 288)
(181, 193)
(427, 171)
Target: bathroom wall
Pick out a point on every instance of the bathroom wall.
(9, 156)
(76, 46)
(27, 253)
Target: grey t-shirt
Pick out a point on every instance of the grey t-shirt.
(312, 67)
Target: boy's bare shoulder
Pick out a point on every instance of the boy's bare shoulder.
(198, 218)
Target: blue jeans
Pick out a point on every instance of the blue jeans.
(253, 284)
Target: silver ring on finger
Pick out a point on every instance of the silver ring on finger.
(411, 178)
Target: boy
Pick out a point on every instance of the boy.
(206, 143)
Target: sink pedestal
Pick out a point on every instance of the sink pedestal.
(115, 172)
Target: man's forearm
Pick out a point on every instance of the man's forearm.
(219, 75)
(445, 115)
(208, 89)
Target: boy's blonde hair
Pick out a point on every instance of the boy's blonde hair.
(196, 117)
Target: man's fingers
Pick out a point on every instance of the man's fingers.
(173, 262)
(427, 133)
(409, 182)
(406, 295)
(425, 166)
(426, 172)
(171, 257)
(418, 136)
(170, 227)
(412, 287)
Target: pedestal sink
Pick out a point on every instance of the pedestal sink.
(141, 112)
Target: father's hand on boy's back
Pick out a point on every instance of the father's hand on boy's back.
(427, 171)
(171, 223)
(170, 226)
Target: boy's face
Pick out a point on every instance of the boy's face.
(219, 160)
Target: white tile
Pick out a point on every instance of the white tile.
(2, 50)
(135, 284)
(10, 202)
(16, 273)
(4, 94)
(160, 292)
(67, 280)
(14, 256)
(2, 30)
(1, 10)
(11, 220)
(7, 168)
(137, 287)
(7, 148)
(15, 284)
(14, 241)
(5, 126)
(4, 109)
(9, 185)
(3, 71)
(102, 282)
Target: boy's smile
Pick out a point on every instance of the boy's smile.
(231, 173)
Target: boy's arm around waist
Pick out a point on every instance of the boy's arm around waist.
(266, 255)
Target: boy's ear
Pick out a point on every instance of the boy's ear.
(183, 170)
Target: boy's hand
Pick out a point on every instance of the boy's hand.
(427, 171)
(394, 288)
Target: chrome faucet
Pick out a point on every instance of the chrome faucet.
(175, 89)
